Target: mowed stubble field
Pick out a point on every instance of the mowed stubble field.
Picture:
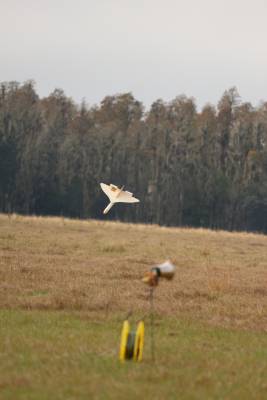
(66, 286)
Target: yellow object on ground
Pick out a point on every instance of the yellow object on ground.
(132, 342)
(124, 337)
(139, 342)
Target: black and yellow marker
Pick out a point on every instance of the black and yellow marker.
(132, 342)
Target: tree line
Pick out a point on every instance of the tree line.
(189, 168)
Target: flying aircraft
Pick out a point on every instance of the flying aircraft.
(117, 195)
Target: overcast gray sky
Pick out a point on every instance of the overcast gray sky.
(153, 48)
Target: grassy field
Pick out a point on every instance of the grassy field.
(66, 286)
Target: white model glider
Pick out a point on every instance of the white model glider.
(117, 195)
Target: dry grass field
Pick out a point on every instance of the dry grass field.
(96, 267)
(66, 285)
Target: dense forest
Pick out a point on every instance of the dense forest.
(188, 168)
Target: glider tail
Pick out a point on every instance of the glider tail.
(108, 208)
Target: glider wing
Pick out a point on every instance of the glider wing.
(110, 190)
(126, 197)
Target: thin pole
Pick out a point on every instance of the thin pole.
(152, 342)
